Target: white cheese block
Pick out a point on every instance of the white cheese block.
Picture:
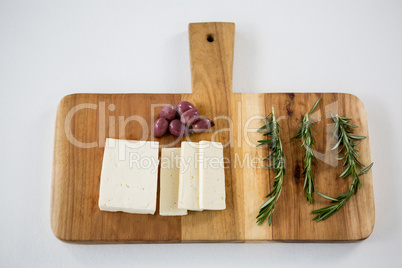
(212, 176)
(169, 183)
(188, 178)
(129, 176)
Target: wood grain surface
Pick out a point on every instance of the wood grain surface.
(84, 121)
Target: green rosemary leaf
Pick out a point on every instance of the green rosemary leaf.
(270, 114)
(342, 195)
(271, 193)
(346, 172)
(322, 210)
(364, 171)
(315, 105)
(267, 202)
(328, 197)
(356, 137)
(336, 145)
(313, 128)
(270, 219)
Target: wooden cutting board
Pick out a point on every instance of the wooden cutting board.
(85, 120)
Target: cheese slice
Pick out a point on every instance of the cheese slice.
(169, 183)
(212, 176)
(129, 176)
(189, 177)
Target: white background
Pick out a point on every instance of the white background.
(52, 48)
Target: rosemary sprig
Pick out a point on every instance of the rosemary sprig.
(277, 162)
(306, 134)
(347, 143)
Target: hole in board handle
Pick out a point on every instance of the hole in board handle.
(210, 38)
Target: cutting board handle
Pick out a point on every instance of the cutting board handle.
(211, 58)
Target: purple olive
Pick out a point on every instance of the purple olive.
(168, 112)
(190, 116)
(184, 106)
(160, 127)
(202, 125)
(177, 128)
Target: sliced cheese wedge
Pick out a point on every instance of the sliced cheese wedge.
(189, 196)
(169, 183)
(129, 176)
(211, 176)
